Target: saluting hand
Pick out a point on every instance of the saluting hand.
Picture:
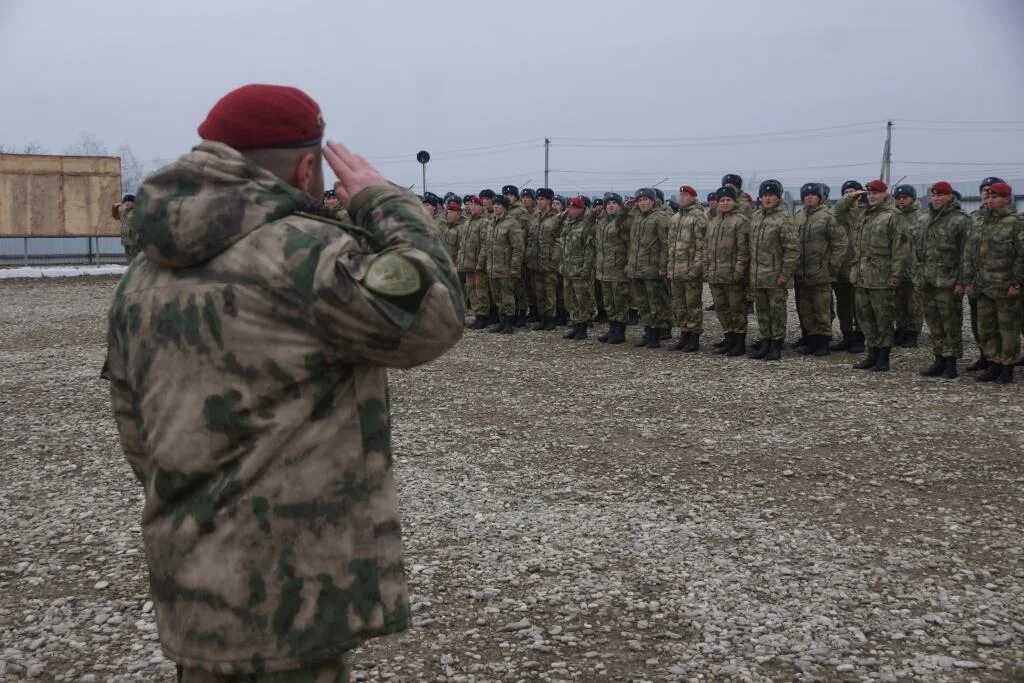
(354, 172)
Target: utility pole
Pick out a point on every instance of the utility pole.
(884, 175)
(547, 150)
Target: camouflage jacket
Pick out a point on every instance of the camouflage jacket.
(994, 256)
(881, 247)
(774, 250)
(246, 355)
(823, 246)
(648, 245)
(939, 246)
(727, 256)
(687, 240)
(129, 238)
(744, 205)
(611, 243)
(576, 247)
(542, 242)
(451, 236)
(503, 251)
(472, 231)
(846, 221)
(914, 217)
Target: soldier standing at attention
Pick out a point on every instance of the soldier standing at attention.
(528, 198)
(453, 219)
(743, 203)
(726, 270)
(977, 217)
(504, 263)
(846, 310)
(472, 232)
(712, 204)
(773, 257)
(518, 211)
(611, 241)
(687, 240)
(823, 248)
(576, 263)
(541, 263)
(881, 252)
(246, 355)
(645, 266)
(908, 317)
(994, 273)
(123, 212)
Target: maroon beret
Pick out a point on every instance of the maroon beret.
(942, 187)
(688, 190)
(877, 186)
(260, 116)
(578, 203)
(1001, 189)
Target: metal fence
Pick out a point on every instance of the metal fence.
(60, 251)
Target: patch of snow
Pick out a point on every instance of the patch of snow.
(60, 271)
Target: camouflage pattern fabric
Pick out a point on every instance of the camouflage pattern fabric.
(576, 248)
(544, 285)
(246, 355)
(730, 307)
(470, 241)
(542, 242)
(907, 314)
(813, 306)
(579, 298)
(647, 254)
(999, 324)
(687, 240)
(770, 304)
(914, 218)
(616, 300)
(944, 313)
(688, 305)
(479, 295)
(338, 672)
(744, 205)
(874, 314)
(774, 251)
(129, 236)
(611, 244)
(881, 244)
(939, 246)
(994, 255)
(823, 246)
(846, 222)
(727, 256)
(503, 250)
(651, 299)
(503, 293)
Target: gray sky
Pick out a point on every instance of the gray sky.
(677, 89)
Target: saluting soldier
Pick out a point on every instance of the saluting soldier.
(907, 316)
(687, 240)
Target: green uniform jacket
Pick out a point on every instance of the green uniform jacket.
(823, 246)
(727, 257)
(503, 255)
(687, 240)
(994, 257)
(452, 236)
(246, 354)
(939, 246)
(915, 217)
(611, 246)
(744, 205)
(881, 247)
(576, 247)
(774, 250)
(648, 245)
(542, 242)
(472, 232)
(846, 221)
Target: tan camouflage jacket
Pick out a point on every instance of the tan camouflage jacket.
(648, 245)
(472, 232)
(823, 246)
(774, 250)
(939, 246)
(994, 256)
(846, 222)
(576, 247)
(129, 238)
(687, 240)
(881, 247)
(727, 256)
(611, 242)
(451, 236)
(246, 355)
(914, 218)
(503, 252)
(542, 242)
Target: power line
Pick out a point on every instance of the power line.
(729, 136)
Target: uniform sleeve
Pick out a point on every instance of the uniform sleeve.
(970, 249)
(517, 245)
(396, 302)
(700, 236)
(1017, 272)
(844, 206)
(743, 251)
(123, 401)
(662, 227)
(483, 227)
(837, 246)
(899, 234)
(790, 248)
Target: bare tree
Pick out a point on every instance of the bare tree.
(132, 170)
(34, 148)
(88, 145)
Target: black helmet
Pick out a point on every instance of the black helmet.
(770, 187)
(725, 192)
(613, 197)
(825, 190)
(659, 194)
(487, 194)
(810, 188)
(646, 192)
(989, 182)
(510, 189)
(904, 191)
(732, 179)
(545, 193)
(850, 184)
(527, 192)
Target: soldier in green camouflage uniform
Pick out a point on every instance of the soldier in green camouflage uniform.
(576, 264)
(611, 242)
(712, 200)
(938, 253)
(246, 356)
(823, 248)
(845, 306)
(518, 211)
(881, 255)
(472, 232)
(503, 262)
(453, 219)
(977, 217)
(528, 199)
(129, 238)
(994, 273)
(727, 271)
(645, 267)
(773, 257)
(541, 264)
(908, 316)
(687, 240)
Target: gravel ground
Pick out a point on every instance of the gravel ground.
(574, 512)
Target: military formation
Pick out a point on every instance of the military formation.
(879, 261)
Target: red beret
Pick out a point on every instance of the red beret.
(578, 203)
(942, 187)
(688, 190)
(1001, 189)
(876, 186)
(262, 116)
(474, 200)
(453, 206)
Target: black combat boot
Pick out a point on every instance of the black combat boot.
(739, 348)
(509, 326)
(756, 346)
(618, 333)
(603, 338)
(726, 344)
(823, 348)
(802, 341)
(550, 325)
(581, 331)
(909, 340)
(1005, 377)
(644, 339)
(749, 308)
(693, 345)
(775, 350)
(760, 350)
(991, 373)
(479, 323)
(531, 315)
(562, 317)
(811, 346)
(936, 368)
(949, 369)
(898, 336)
(654, 340)
(883, 360)
(1020, 363)
(498, 326)
(869, 360)
(980, 364)
(571, 334)
(542, 323)
(664, 333)
(856, 343)
(725, 341)
(684, 339)
(844, 343)
(520, 319)
(493, 317)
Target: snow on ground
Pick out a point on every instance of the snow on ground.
(60, 271)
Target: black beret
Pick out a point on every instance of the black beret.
(850, 184)
(989, 182)
(597, 202)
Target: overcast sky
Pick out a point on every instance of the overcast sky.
(629, 92)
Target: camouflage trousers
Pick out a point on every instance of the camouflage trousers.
(479, 296)
(907, 312)
(999, 323)
(651, 298)
(770, 306)
(542, 291)
(814, 308)
(503, 294)
(339, 672)
(616, 300)
(579, 299)
(846, 307)
(522, 298)
(688, 305)
(944, 313)
(972, 304)
(730, 307)
(874, 312)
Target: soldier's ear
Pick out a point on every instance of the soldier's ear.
(306, 175)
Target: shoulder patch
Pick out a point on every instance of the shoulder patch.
(394, 275)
